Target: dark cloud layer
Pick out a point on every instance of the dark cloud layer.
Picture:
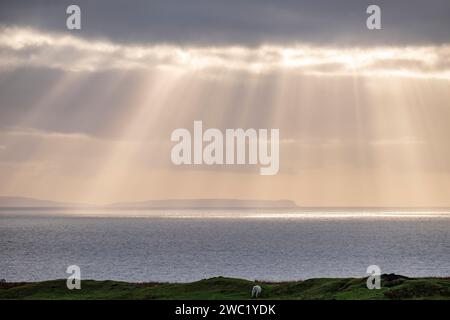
(241, 21)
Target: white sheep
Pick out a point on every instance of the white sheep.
(256, 291)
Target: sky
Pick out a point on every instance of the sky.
(86, 115)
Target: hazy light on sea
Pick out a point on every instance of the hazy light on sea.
(233, 214)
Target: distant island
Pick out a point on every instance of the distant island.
(231, 204)
(207, 204)
(24, 202)
(16, 202)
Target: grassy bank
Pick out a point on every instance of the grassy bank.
(393, 287)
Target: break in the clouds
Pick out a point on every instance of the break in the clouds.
(25, 47)
(363, 115)
(245, 22)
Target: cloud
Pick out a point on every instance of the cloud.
(32, 48)
(240, 22)
(100, 107)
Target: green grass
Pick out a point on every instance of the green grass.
(392, 287)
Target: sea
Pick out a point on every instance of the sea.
(189, 245)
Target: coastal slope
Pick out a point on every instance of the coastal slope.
(393, 287)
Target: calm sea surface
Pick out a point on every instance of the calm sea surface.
(191, 245)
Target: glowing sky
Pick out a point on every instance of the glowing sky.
(87, 116)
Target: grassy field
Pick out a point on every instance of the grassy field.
(392, 287)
